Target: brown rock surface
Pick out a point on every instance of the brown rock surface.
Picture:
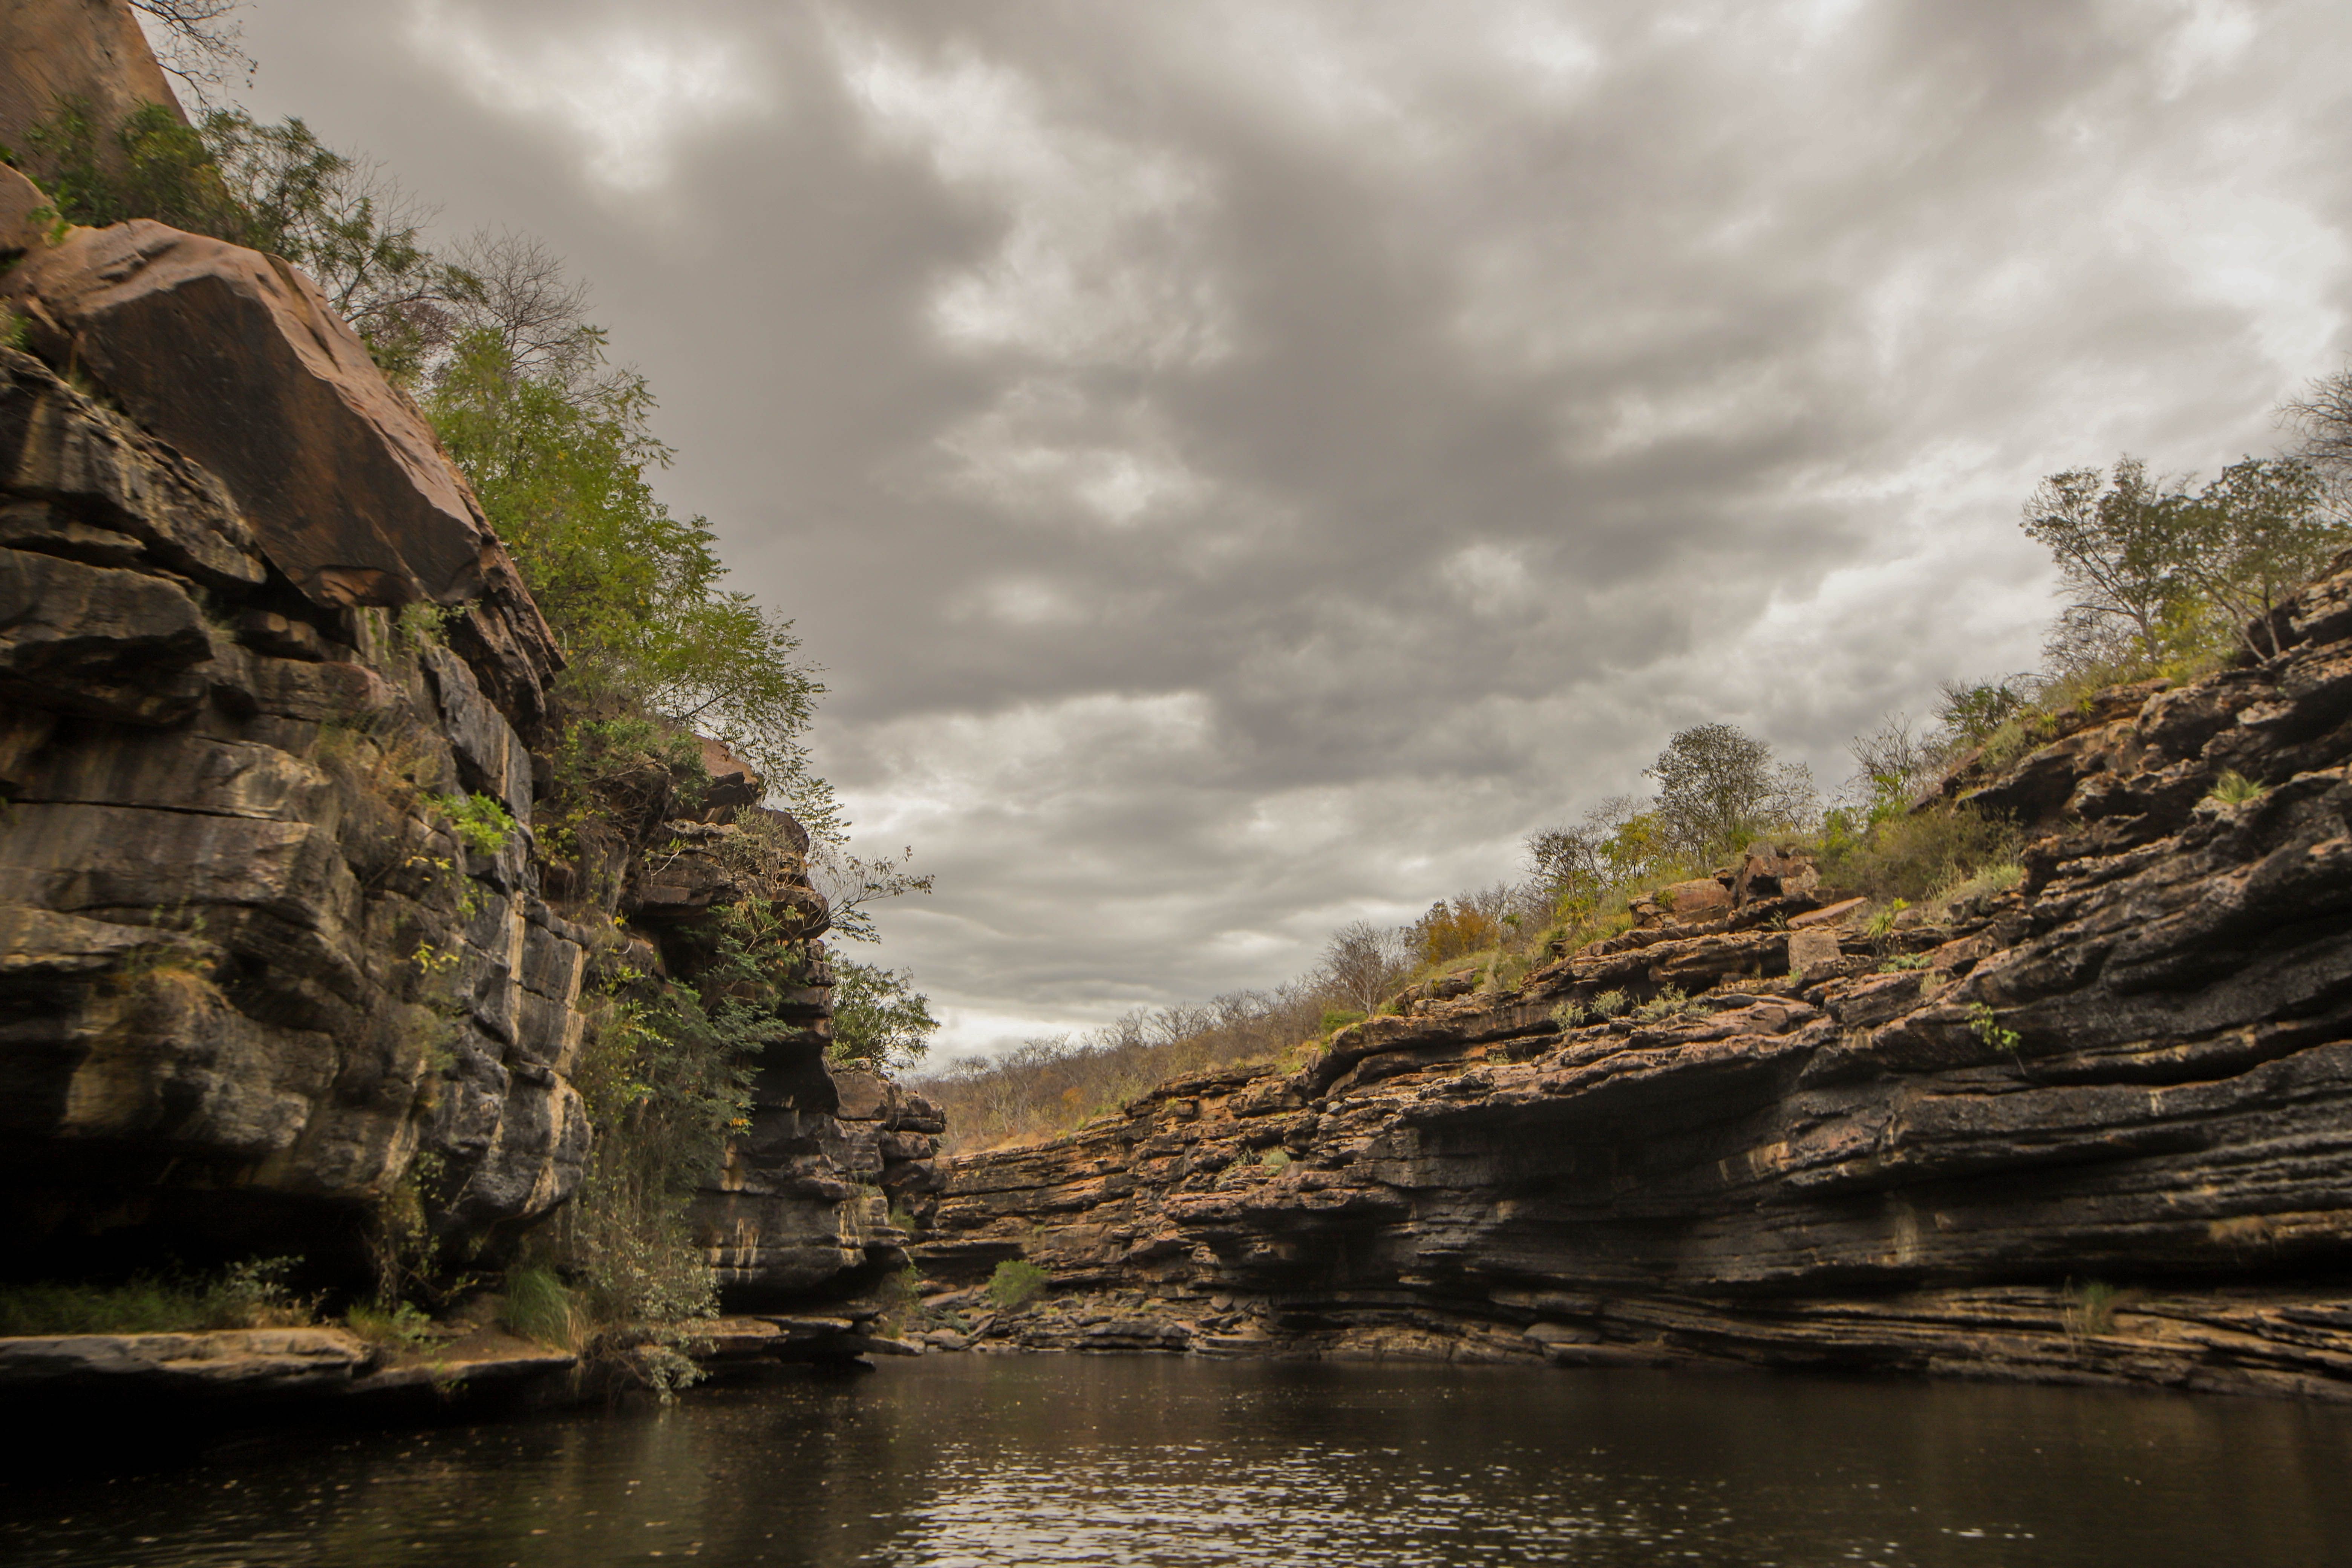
(2132, 1072)
(234, 359)
(87, 52)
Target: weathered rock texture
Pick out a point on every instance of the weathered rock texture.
(85, 52)
(807, 1193)
(249, 975)
(236, 360)
(257, 990)
(1946, 1148)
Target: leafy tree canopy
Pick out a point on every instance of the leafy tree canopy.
(564, 467)
(879, 1019)
(1718, 786)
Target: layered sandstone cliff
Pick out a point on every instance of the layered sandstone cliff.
(2099, 1125)
(260, 656)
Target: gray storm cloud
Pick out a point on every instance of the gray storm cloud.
(1245, 467)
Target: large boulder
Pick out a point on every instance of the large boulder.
(235, 358)
(232, 357)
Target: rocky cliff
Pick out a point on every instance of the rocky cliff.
(2096, 1126)
(281, 952)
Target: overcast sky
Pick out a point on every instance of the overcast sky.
(1244, 466)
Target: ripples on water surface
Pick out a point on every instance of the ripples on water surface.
(960, 1461)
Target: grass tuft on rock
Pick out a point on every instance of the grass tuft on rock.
(249, 1295)
(538, 1307)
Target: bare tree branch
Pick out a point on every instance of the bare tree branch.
(194, 41)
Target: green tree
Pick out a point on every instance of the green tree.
(2119, 545)
(2253, 534)
(1968, 714)
(879, 1019)
(564, 467)
(1718, 786)
(1618, 842)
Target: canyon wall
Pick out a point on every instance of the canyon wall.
(273, 973)
(2097, 1125)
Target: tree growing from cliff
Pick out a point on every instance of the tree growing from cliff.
(2322, 415)
(1718, 786)
(1362, 963)
(2118, 544)
(1617, 842)
(563, 466)
(879, 1019)
(2252, 535)
(2154, 572)
(1893, 764)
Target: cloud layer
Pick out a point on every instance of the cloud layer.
(1245, 466)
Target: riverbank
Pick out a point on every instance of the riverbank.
(2281, 1343)
(328, 1372)
(2089, 1122)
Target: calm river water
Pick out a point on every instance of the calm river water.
(952, 1461)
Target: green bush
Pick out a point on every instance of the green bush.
(404, 1323)
(481, 823)
(1997, 878)
(665, 1078)
(1917, 856)
(1670, 1002)
(1337, 1018)
(2235, 788)
(1984, 1025)
(879, 1019)
(1015, 1283)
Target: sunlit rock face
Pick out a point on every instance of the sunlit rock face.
(89, 53)
(2096, 1124)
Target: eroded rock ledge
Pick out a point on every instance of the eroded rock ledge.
(2100, 1128)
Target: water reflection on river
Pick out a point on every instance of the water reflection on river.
(969, 1460)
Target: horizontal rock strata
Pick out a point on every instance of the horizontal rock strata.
(250, 975)
(1960, 1145)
